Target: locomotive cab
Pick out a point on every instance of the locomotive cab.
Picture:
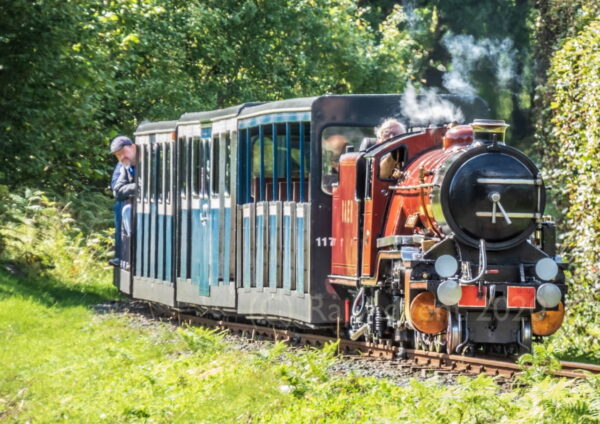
(363, 202)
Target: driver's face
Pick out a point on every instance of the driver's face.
(391, 132)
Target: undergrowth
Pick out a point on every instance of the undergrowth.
(40, 236)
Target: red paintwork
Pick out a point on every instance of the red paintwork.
(470, 297)
(377, 222)
(520, 297)
(416, 202)
(345, 213)
(347, 311)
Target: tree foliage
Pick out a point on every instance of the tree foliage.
(75, 74)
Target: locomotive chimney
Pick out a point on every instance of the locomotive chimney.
(458, 134)
(489, 130)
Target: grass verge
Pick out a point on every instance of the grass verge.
(64, 363)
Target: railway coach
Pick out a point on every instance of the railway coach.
(233, 211)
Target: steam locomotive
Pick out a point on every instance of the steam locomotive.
(248, 213)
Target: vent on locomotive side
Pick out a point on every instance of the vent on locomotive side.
(489, 131)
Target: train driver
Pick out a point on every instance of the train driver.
(389, 167)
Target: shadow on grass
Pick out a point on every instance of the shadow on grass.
(52, 292)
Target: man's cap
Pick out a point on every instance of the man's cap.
(119, 142)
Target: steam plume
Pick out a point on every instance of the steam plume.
(467, 53)
(428, 108)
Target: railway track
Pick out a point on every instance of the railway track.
(413, 358)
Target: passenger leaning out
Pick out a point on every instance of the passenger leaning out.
(124, 188)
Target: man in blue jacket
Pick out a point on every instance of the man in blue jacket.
(124, 183)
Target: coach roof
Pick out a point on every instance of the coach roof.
(291, 105)
(155, 127)
(213, 115)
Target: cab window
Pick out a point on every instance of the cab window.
(334, 141)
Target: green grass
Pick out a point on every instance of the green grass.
(61, 362)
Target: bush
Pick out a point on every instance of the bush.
(572, 159)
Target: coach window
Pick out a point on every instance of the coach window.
(182, 168)
(196, 166)
(303, 161)
(168, 172)
(206, 169)
(229, 136)
(216, 165)
(140, 174)
(275, 161)
(153, 172)
(265, 164)
(274, 158)
(258, 180)
(202, 175)
(159, 172)
(293, 161)
(334, 141)
(245, 143)
(147, 172)
(150, 171)
(249, 158)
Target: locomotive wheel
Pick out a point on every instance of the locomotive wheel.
(453, 333)
(525, 336)
(425, 316)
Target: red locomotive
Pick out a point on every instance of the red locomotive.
(454, 255)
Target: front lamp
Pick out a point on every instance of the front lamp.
(449, 292)
(546, 269)
(446, 266)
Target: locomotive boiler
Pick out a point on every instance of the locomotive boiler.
(455, 255)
